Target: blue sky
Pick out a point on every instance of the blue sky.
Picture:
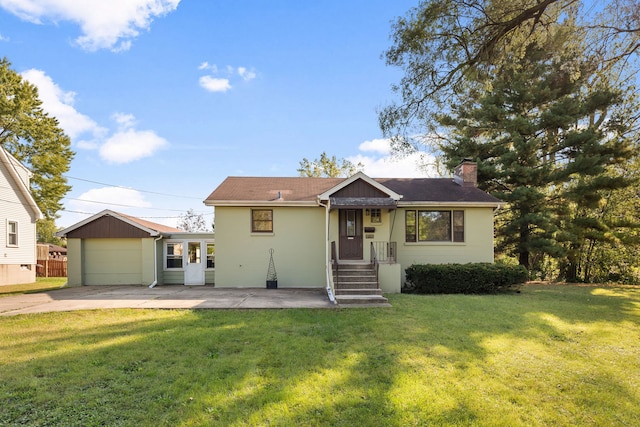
(163, 99)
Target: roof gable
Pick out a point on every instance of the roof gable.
(359, 185)
(19, 174)
(110, 224)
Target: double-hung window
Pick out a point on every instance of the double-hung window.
(12, 233)
(174, 255)
(211, 255)
(262, 220)
(434, 226)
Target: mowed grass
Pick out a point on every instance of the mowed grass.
(40, 285)
(552, 355)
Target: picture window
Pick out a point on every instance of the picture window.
(434, 226)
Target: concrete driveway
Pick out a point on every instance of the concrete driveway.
(168, 296)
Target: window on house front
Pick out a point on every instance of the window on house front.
(12, 233)
(434, 226)
(262, 220)
(211, 255)
(174, 255)
(376, 216)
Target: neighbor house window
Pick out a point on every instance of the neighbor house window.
(376, 216)
(434, 226)
(211, 255)
(174, 255)
(12, 233)
(262, 220)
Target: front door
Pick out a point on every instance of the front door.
(350, 234)
(194, 270)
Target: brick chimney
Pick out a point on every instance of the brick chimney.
(466, 173)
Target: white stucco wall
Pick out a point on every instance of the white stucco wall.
(298, 240)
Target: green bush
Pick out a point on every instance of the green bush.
(473, 278)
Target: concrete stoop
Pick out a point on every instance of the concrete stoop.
(356, 286)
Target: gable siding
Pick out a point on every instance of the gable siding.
(359, 188)
(14, 207)
(107, 227)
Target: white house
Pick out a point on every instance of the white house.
(18, 216)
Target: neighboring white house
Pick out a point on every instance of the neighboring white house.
(317, 226)
(18, 216)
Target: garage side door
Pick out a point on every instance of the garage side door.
(112, 262)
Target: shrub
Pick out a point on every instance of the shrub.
(473, 278)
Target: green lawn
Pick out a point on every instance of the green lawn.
(41, 284)
(551, 355)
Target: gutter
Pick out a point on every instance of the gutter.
(332, 297)
(155, 262)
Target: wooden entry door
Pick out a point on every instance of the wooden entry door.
(350, 234)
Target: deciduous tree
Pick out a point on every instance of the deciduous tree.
(193, 222)
(35, 139)
(329, 167)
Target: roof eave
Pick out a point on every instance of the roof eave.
(246, 203)
(402, 204)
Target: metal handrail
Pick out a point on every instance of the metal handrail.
(334, 257)
(374, 259)
(385, 251)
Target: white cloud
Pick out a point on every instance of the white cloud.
(107, 195)
(125, 145)
(3, 38)
(125, 121)
(382, 164)
(213, 84)
(246, 74)
(129, 145)
(59, 104)
(105, 24)
(377, 145)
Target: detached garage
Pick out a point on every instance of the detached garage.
(111, 248)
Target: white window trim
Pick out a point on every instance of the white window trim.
(206, 255)
(17, 233)
(165, 253)
(437, 242)
(185, 251)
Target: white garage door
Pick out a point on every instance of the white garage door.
(112, 262)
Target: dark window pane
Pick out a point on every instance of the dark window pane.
(434, 226)
(410, 226)
(458, 226)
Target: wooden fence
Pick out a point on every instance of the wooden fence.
(51, 268)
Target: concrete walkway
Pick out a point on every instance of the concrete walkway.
(168, 296)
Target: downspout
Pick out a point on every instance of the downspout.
(155, 262)
(332, 298)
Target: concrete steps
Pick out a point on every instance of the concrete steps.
(356, 286)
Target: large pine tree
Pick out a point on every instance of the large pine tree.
(543, 127)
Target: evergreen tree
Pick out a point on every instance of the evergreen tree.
(545, 132)
(35, 139)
